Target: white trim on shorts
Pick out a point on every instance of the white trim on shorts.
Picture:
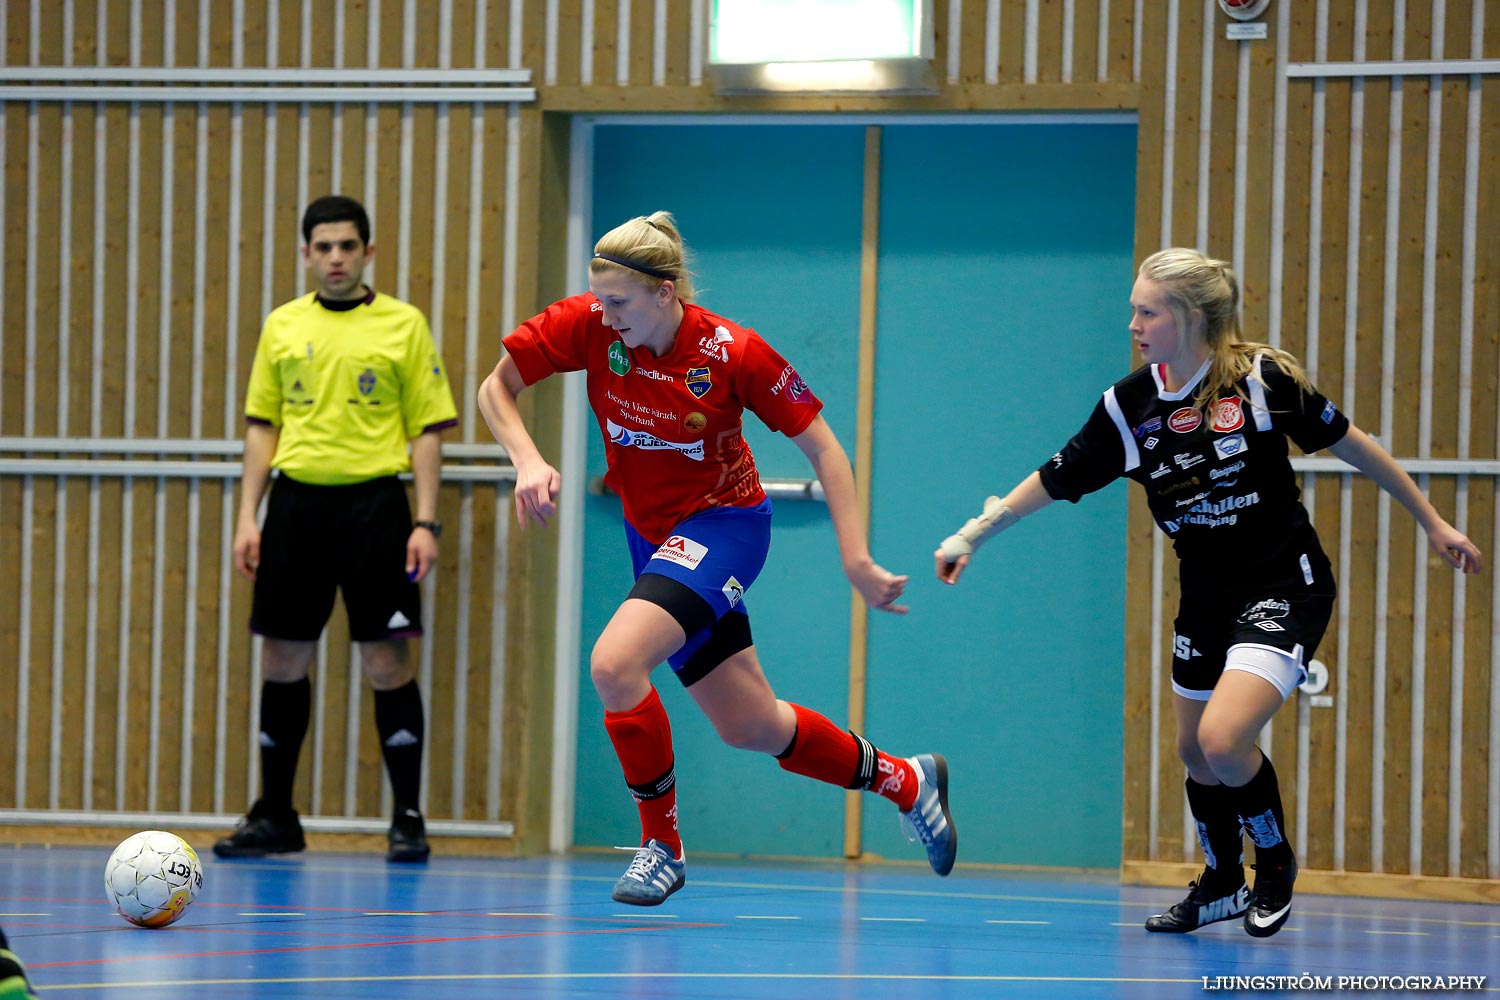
(1283, 680)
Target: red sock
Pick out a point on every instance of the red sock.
(643, 741)
(823, 751)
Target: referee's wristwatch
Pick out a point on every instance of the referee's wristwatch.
(436, 527)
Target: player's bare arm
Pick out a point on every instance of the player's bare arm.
(260, 448)
(537, 482)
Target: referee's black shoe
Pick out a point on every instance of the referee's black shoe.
(1208, 901)
(1271, 902)
(408, 837)
(264, 830)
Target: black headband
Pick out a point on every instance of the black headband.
(636, 265)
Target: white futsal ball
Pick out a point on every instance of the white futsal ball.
(152, 878)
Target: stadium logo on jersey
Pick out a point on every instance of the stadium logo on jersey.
(1231, 446)
(717, 345)
(698, 382)
(653, 374)
(694, 422)
(619, 361)
(1184, 420)
(626, 438)
(1227, 415)
(1329, 412)
(1154, 424)
(366, 382)
(681, 550)
(1161, 470)
(734, 590)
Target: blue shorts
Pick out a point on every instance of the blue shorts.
(717, 554)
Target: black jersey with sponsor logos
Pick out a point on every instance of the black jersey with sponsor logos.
(1220, 487)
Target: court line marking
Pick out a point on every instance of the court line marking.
(263, 913)
(895, 920)
(621, 976)
(1042, 922)
(364, 944)
(25, 914)
(763, 916)
(1404, 933)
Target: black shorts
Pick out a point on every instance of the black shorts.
(318, 539)
(1206, 628)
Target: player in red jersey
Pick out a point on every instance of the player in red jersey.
(669, 383)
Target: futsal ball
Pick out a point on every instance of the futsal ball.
(152, 878)
(1244, 10)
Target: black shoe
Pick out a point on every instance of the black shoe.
(408, 837)
(1210, 899)
(264, 830)
(13, 982)
(1271, 902)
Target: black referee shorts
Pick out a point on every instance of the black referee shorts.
(319, 539)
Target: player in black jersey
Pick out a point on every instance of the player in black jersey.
(1203, 427)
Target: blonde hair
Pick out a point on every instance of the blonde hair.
(649, 248)
(1203, 294)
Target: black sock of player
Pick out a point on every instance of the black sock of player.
(398, 718)
(1219, 833)
(1260, 811)
(3, 943)
(284, 711)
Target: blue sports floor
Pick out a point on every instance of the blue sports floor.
(327, 926)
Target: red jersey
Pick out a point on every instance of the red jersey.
(672, 426)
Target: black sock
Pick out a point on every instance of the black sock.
(1218, 831)
(284, 711)
(1260, 812)
(398, 718)
(3, 943)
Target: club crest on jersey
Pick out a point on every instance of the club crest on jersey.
(1228, 416)
(1185, 419)
(619, 360)
(1228, 447)
(697, 381)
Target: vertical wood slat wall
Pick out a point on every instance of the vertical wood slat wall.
(1346, 203)
(142, 245)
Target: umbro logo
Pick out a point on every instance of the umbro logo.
(398, 620)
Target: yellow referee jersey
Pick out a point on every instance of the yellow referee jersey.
(347, 388)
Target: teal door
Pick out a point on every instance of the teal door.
(1005, 265)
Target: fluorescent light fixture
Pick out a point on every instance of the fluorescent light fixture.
(822, 46)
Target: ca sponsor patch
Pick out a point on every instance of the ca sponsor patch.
(697, 381)
(681, 550)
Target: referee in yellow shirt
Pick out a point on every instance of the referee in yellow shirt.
(346, 392)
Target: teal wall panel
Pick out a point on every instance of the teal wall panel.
(777, 246)
(1005, 271)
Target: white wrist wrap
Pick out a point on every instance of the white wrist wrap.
(995, 518)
